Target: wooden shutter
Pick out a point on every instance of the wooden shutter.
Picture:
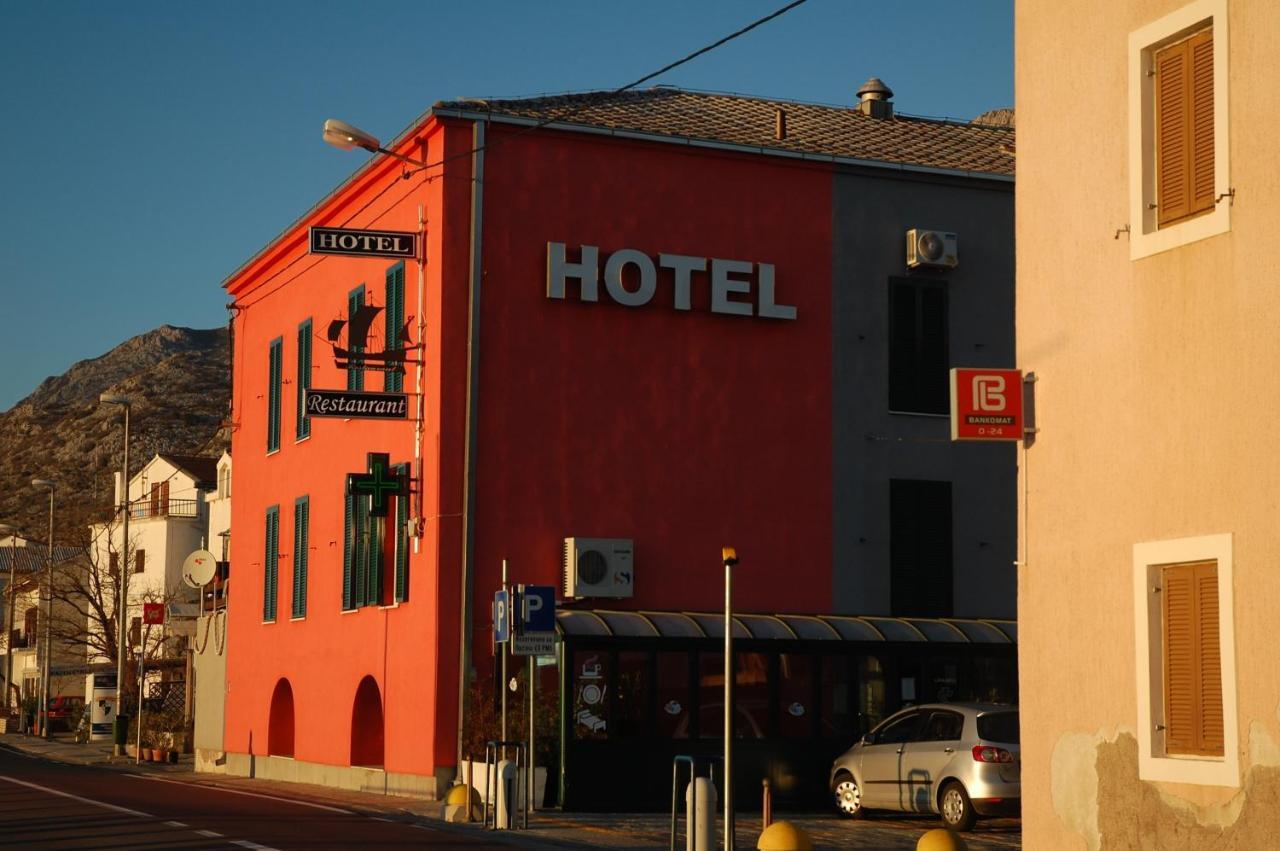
(402, 543)
(348, 556)
(270, 563)
(355, 375)
(301, 555)
(1184, 128)
(1192, 667)
(394, 314)
(273, 394)
(303, 423)
(139, 561)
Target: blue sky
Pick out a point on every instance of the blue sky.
(152, 147)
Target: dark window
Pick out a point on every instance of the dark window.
(113, 563)
(631, 711)
(274, 366)
(301, 554)
(673, 698)
(135, 632)
(139, 561)
(898, 730)
(364, 561)
(590, 696)
(711, 695)
(355, 340)
(943, 727)
(393, 377)
(751, 696)
(302, 425)
(918, 360)
(837, 688)
(795, 695)
(999, 727)
(920, 548)
(271, 563)
(871, 701)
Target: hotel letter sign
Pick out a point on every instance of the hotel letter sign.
(364, 243)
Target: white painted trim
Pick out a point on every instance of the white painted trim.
(1145, 238)
(1153, 764)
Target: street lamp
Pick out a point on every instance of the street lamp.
(46, 484)
(12, 532)
(345, 136)
(729, 556)
(122, 601)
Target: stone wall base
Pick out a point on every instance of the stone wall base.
(350, 777)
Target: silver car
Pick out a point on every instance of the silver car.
(960, 760)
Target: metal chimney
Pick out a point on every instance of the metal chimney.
(873, 99)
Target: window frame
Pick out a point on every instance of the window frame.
(1149, 561)
(1145, 236)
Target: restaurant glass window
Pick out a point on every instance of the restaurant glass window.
(871, 703)
(836, 700)
(590, 694)
(711, 695)
(751, 696)
(674, 706)
(631, 709)
(944, 680)
(994, 680)
(795, 695)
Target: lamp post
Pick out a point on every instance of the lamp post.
(122, 601)
(342, 135)
(12, 532)
(729, 556)
(46, 484)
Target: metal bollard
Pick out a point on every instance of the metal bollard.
(700, 815)
(766, 806)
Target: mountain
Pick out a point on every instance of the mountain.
(178, 379)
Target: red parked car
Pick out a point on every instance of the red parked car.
(64, 711)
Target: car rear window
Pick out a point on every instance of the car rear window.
(999, 727)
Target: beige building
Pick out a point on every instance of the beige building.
(1147, 307)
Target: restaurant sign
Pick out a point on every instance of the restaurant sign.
(353, 404)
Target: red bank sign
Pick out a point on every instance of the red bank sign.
(986, 404)
(153, 613)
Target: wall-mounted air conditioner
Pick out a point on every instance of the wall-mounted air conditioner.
(931, 248)
(598, 567)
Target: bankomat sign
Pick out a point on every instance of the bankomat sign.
(986, 404)
(735, 287)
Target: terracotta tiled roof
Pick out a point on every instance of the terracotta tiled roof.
(826, 131)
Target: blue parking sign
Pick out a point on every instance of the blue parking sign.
(539, 608)
(501, 616)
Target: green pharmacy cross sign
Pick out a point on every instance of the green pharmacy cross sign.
(379, 484)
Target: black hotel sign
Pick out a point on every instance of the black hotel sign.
(353, 404)
(364, 243)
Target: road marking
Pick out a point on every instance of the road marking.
(176, 824)
(244, 843)
(90, 801)
(240, 792)
(209, 833)
(380, 818)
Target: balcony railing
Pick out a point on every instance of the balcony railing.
(147, 507)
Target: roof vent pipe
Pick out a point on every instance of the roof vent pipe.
(780, 126)
(873, 99)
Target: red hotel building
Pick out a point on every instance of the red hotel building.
(686, 320)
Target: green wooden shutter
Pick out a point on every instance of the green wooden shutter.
(394, 313)
(348, 556)
(355, 374)
(270, 562)
(303, 424)
(301, 555)
(273, 394)
(402, 542)
(362, 549)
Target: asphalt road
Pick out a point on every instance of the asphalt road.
(54, 805)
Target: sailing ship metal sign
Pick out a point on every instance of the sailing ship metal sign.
(355, 355)
(364, 243)
(355, 404)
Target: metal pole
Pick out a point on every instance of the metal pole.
(48, 628)
(141, 665)
(8, 641)
(122, 604)
(533, 670)
(730, 558)
(502, 649)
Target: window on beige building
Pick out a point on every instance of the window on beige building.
(1184, 128)
(1192, 670)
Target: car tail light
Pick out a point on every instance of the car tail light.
(991, 753)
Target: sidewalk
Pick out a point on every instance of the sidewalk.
(548, 829)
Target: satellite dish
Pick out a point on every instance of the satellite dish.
(199, 568)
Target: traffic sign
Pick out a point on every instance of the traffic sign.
(153, 613)
(534, 644)
(501, 616)
(538, 609)
(986, 404)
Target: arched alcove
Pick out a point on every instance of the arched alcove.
(280, 728)
(366, 725)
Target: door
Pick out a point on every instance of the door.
(925, 758)
(881, 759)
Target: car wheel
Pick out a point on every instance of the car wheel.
(848, 796)
(955, 807)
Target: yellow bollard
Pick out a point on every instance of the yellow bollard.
(941, 840)
(784, 836)
(456, 809)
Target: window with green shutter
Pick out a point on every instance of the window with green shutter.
(270, 564)
(393, 377)
(349, 556)
(355, 374)
(303, 423)
(402, 542)
(301, 554)
(275, 362)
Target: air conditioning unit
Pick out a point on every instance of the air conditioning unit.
(931, 248)
(598, 567)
